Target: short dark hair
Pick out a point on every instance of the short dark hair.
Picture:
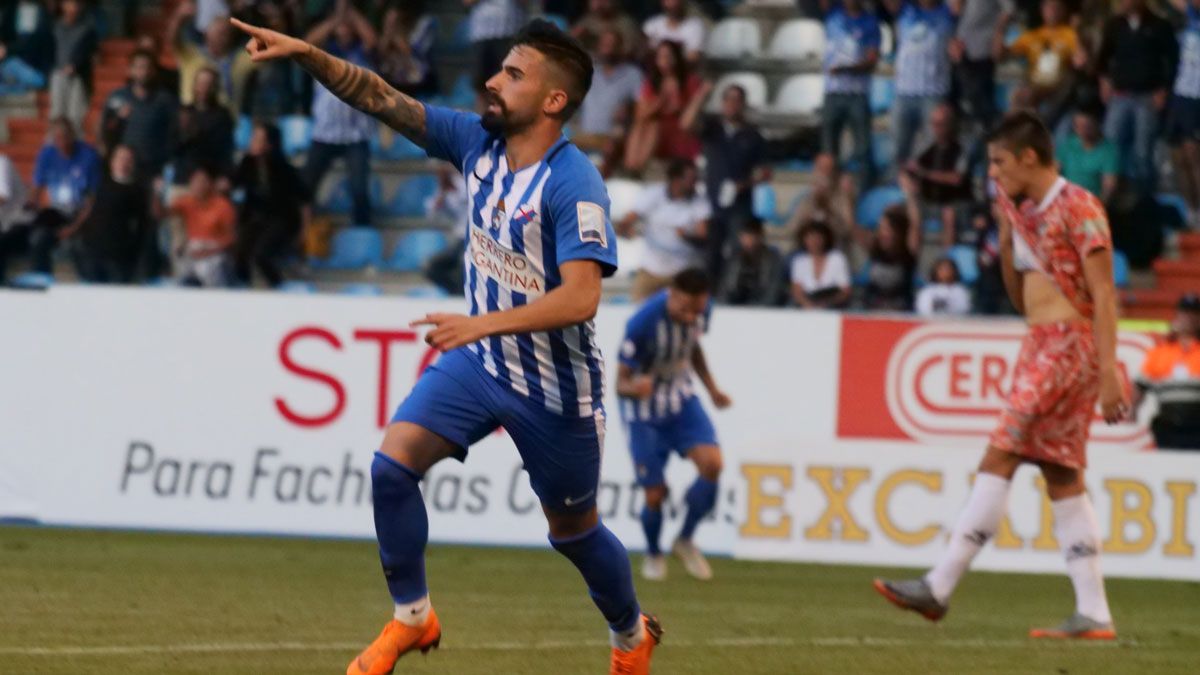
(1024, 130)
(753, 225)
(144, 54)
(677, 167)
(205, 168)
(274, 135)
(819, 228)
(563, 51)
(953, 267)
(735, 87)
(693, 281)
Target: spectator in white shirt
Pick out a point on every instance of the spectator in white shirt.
(674, 223)
(675, 25)
(946, 294)
(13, 216)
(820, 273)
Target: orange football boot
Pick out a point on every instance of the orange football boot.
(396, 640)
(1077, 627)
(637, 661)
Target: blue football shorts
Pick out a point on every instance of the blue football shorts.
(651, 442)
(458, 400)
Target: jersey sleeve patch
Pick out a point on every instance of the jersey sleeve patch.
(591, 223)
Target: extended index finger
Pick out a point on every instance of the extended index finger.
(245, 27)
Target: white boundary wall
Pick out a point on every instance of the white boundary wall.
(258, 412)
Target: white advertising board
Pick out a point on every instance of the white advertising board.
(259, 412)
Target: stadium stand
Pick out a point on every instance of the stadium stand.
(767, 47)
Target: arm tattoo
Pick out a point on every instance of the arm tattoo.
(367, 92)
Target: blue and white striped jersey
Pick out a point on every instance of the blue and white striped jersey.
(922, 60)
(1187, 82)
(656, 345)
(520, 228)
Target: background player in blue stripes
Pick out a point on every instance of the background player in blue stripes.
(525, 359)
(662, 412)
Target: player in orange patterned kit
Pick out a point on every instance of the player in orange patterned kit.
(1056, 254)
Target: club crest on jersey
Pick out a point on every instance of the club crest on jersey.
(498, 215)
(524, 215)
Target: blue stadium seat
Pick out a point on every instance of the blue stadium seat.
(241, 134)
(297, 134)
(462, 94)
(863, 276)
(426, 292)
(1014, 31)
(883, 94)
(1120, 269)
(558, 20)
(968, 263)
(883, 147)
(801, 195)
(339, 200)
(362, 289)
(1175, 201)
(353, 248)
(460, 40)
(764, 203)
(1004, 92)
(298, 287)
(877, 200)
(415, 248)
(32, 280)
(410, 197)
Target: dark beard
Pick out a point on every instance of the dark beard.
(491, 123)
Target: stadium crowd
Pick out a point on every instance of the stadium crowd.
(207, 169)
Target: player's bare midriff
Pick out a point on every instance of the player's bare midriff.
(1044, 303)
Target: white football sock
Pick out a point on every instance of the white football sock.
(413, 613)
(976, 525)
(628, 640)
(1079, 536)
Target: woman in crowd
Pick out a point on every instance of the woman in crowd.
(117, 226)
(892, 260)
(820, 274)
(946, 293)
(205, 130)
(667, 107)
(275, 209)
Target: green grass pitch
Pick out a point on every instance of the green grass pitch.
(111, 602)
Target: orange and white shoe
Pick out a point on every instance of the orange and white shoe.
(1078, 627)
(637, 660)
(396, 640)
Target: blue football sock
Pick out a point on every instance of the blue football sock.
(401, 526)
(652, 520)
(700, 499)
(604, 564)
